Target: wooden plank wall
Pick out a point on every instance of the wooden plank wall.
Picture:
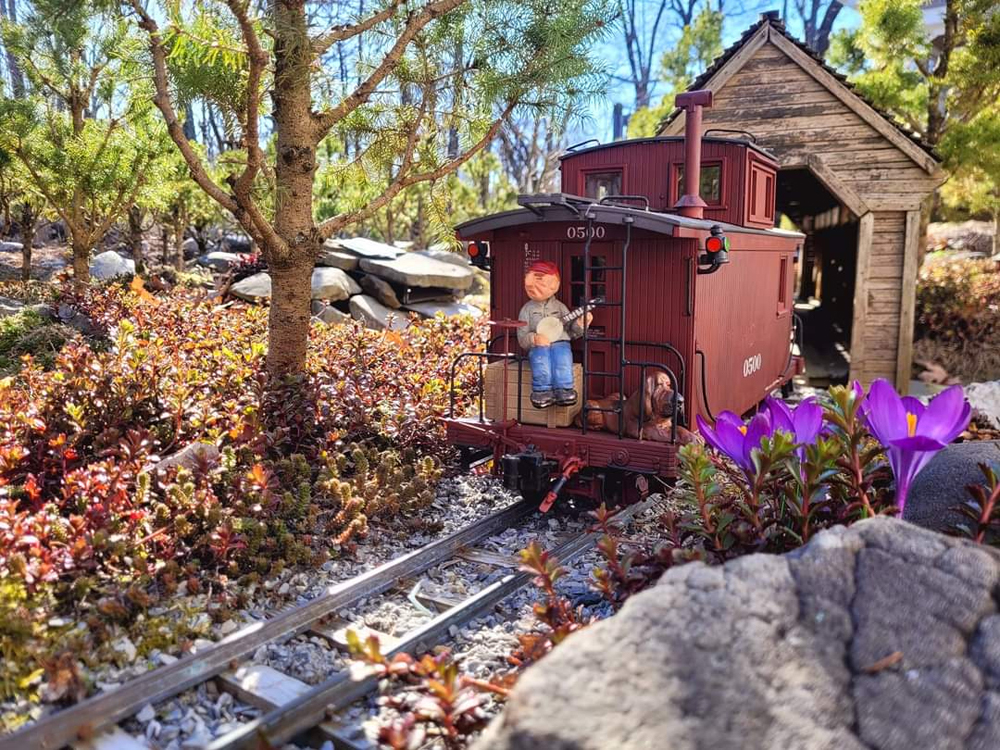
(798, 118)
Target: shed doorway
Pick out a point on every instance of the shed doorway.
(825, 273)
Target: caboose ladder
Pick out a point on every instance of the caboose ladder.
(619, 342)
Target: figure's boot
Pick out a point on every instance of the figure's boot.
(565, 396)
(542, 399)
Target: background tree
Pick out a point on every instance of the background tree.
(817, 18)
(8, 11)
(945, 86)
(83, 134)
(397, 120)
(529, 150)
(21, 206)
(699, 44)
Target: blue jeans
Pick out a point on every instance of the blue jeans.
(551, 366)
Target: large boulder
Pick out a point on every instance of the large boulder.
(332, 284)
(237, 243)
(412, 269)
(940, 488)
(252, 288)
(883, 636)
(218, 260)
(374, 314)
(109, 265)
(381, 290)
(11, 247)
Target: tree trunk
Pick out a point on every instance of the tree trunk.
(179, 245)
(16, 76)
(295, 168)
(81, 263)
(135, 238)
(165, 245)
(288, 319)
(29, 222)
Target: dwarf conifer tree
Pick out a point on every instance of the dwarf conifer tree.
(412, 88)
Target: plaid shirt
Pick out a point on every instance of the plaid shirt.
(532, 314)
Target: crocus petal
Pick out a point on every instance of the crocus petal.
(731, 442)
(946, 415)
(886, 416)
(708, 433)
(918, 443)
(808, 421)
(759, 427)
(913, 406)
(781, 415)
(905, 467)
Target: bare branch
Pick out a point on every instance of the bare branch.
(341, 33)
(417, 21)
(258, 60)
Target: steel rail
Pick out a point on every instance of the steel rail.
(308, 710)
(90, 716)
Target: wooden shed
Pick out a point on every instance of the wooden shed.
(850, 178)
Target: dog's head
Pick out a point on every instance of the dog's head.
(661, 395)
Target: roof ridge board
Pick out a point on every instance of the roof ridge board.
(701, 80)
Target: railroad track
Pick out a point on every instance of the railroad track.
(290, 707)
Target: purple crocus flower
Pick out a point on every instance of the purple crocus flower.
(912, 433)
(734, 438)
(803, 422)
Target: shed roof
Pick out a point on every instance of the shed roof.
(771, 23)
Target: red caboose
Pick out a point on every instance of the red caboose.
(693, 280)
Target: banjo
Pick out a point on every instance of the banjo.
(553, 326)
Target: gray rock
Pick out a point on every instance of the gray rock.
(878, 636)
(430, 309)
(218, 260)
(332, 284)
(412, 269)
(11, 247)
(329, 314)
(110, 264)
(10, 307)
(189, 456)
(381, 290)
(77, 320)
(374, 314)
(940, 487)
(237, 243)
(190, 248)
(364, 247)
(252, 288)
(442, 253)
(337, 259)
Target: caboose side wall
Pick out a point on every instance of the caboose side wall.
(660, 291)
(743, 317)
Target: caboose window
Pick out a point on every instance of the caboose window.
(600, 184)
(576, 279)
(711, 183)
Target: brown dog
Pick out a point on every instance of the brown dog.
(656, 409)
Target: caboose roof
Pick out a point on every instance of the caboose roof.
(736, 141)
(553, 207)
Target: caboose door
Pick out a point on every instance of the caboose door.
(603, 356)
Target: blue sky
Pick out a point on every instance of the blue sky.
(601, 111)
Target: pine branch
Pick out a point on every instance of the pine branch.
(342, 33)
(325, 120)
(402, 181)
